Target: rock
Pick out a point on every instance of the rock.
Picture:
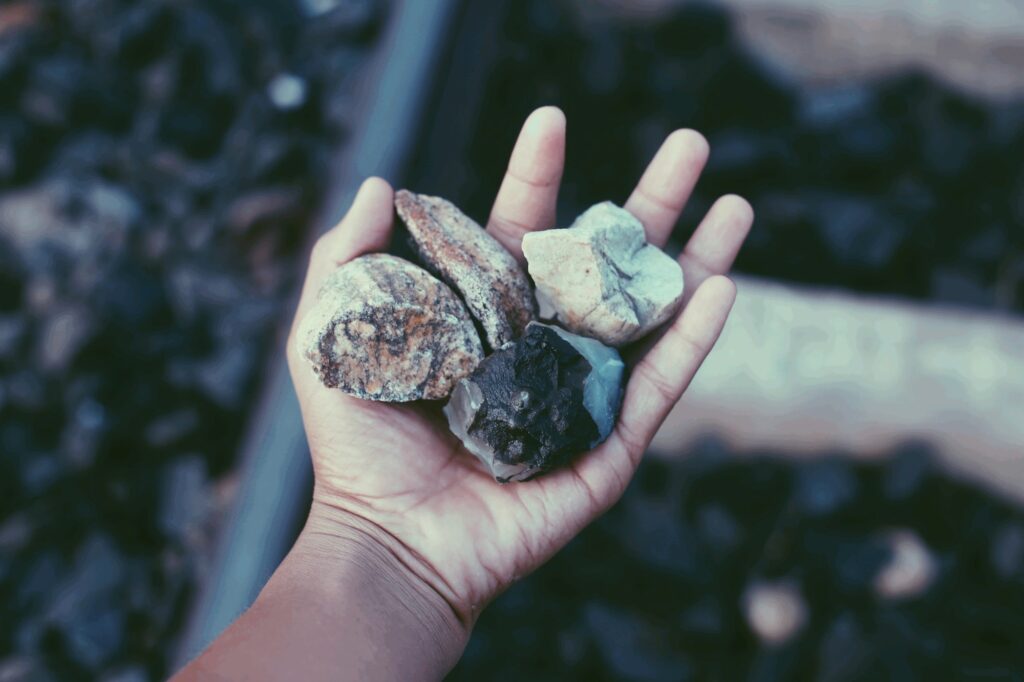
(634, 648)
(774, 611)
(85, 607)
(533, 404)
(824, 486)
(602, 277)
(184, 500)
(907, 471)
(911, 570)
(132, 673)
(1006, 552)
(491, 282)
(287, 91)
(384, 329)
(24, 669)
(78, 222)
(64, 332)
(12, 330)
(845, 651)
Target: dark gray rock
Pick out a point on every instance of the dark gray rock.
(825, 485)
(535, 403)
(183, 503)
(85, 607)
(632, 648)
(1007, 551)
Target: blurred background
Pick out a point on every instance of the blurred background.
(839, 496)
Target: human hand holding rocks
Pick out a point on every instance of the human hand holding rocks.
(420, 384)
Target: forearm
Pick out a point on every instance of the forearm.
(340, 606)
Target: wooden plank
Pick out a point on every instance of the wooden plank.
(806, 371)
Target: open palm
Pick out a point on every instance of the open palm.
(397, 474)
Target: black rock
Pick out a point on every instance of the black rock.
(528, 408)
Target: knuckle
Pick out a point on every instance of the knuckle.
(657, 381)
(321, 248)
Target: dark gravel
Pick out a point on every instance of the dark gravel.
(661, 587)
(900, 185)
(159, 163)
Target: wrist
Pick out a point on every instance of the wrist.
(351, 563)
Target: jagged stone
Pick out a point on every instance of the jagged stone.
(492, 283)
(385, 329)
(535, 403)
(601, 277)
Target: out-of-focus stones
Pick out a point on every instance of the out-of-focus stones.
(775, 611)
(911, 569)
(825, 486)
(384, 329)
(63, 333)
(533, 404)
(153, 197)
(1007, 551)
(491, 282)
(77, 222)
(602, 278)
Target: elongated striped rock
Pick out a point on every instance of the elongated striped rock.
(385, 329)
(494, 286)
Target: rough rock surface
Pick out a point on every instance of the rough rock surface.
(492, 283)
(536, 402)
(602, 278)
(385, 329)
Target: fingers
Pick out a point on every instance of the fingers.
(528, 194)
(364, 229)
(716, 241)
(667, 183)
(661, 376)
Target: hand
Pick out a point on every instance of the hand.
(393, 473)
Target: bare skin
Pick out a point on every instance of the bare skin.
(409, 538)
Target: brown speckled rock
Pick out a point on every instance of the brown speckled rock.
(492, 283)
(385, 329)
(601, 278)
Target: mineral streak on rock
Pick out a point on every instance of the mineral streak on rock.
(492, 283)
(602, 390)
(385, 329)
(602, 278)
(536, 402)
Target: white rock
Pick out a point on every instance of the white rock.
(775, 612)
(910, 571)
(602, 278)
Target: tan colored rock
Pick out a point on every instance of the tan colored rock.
(492, 283)
(601, 278)
(385, 329)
